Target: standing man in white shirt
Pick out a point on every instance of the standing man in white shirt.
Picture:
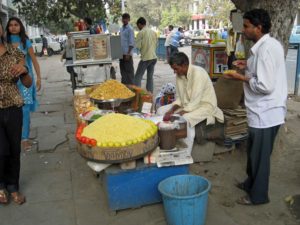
(168, 42)
(127, 43)
(265, 87)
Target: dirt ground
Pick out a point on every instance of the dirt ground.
(228, 168)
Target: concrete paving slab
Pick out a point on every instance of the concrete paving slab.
(51, 140)
(86, 185)
(33, 133)
(204, 152)
(46, 186)
(77, 162)
(44, 213)
(45, 162)
(90, 212)
(69, 117)
(72, 141)
(50, 100)
(47, 121)
(50, 108)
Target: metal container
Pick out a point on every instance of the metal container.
(166, 133)
(181, 126)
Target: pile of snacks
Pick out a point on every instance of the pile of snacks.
(111, 89)
(116, 130)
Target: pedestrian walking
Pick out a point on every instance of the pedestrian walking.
(265, 88)
(12, 69)
(175, 40)
(44, 45)
(68, 55)
(146, 41)
(127, 43)
(168, 42)
(16, 35)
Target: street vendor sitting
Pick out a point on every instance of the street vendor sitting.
(195, 97)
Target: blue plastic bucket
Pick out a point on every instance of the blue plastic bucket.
(185, 199)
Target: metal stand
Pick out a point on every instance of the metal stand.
(74, 81)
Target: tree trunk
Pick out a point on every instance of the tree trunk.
(282, 13)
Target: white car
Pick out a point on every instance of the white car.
(53, 46)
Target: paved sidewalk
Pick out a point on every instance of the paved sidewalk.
(59, 186)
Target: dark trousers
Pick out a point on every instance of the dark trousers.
(10, 147)
(259, 149)
(127, 70)
(173, 50)
(168, 53)
(142, 67)
(231, 59)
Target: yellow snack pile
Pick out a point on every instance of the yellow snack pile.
(229, 71)
(118, 130)
(111, 89)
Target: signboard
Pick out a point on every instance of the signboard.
(201, 57)
(220, 61)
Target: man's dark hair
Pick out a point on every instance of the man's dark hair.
(171, 27)
(126, 16)
(141, 21)
(259, 17)
(88, 20)
(179, 58)
(180, 29)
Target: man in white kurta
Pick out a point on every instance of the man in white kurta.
(195, 96)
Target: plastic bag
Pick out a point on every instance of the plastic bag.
(240, 49)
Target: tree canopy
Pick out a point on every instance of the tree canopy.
(160, 13)
(41, 12)
(282, 13)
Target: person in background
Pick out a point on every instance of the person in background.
(195, 100)
(44, 45)
(265, 88)
(12, 69)
(175, 39)
(127, 43)
(146, 41)
(231, 40)
(89, 25)
(68, 55)
(16, 35)
(168, 42)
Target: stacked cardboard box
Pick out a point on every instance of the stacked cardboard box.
(235, 122)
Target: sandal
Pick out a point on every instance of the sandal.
(26, 145)
(3, 197)
(241, 186)
(18, 198)
(244, 201)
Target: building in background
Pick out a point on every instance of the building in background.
(199, 20)
(7, 10)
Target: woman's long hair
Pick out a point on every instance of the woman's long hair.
(22, 33)
(2, 35)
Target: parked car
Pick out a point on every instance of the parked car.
(294, 40)
(53, 46)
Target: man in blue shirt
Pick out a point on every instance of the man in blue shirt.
(175, 38)
(127, 43)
